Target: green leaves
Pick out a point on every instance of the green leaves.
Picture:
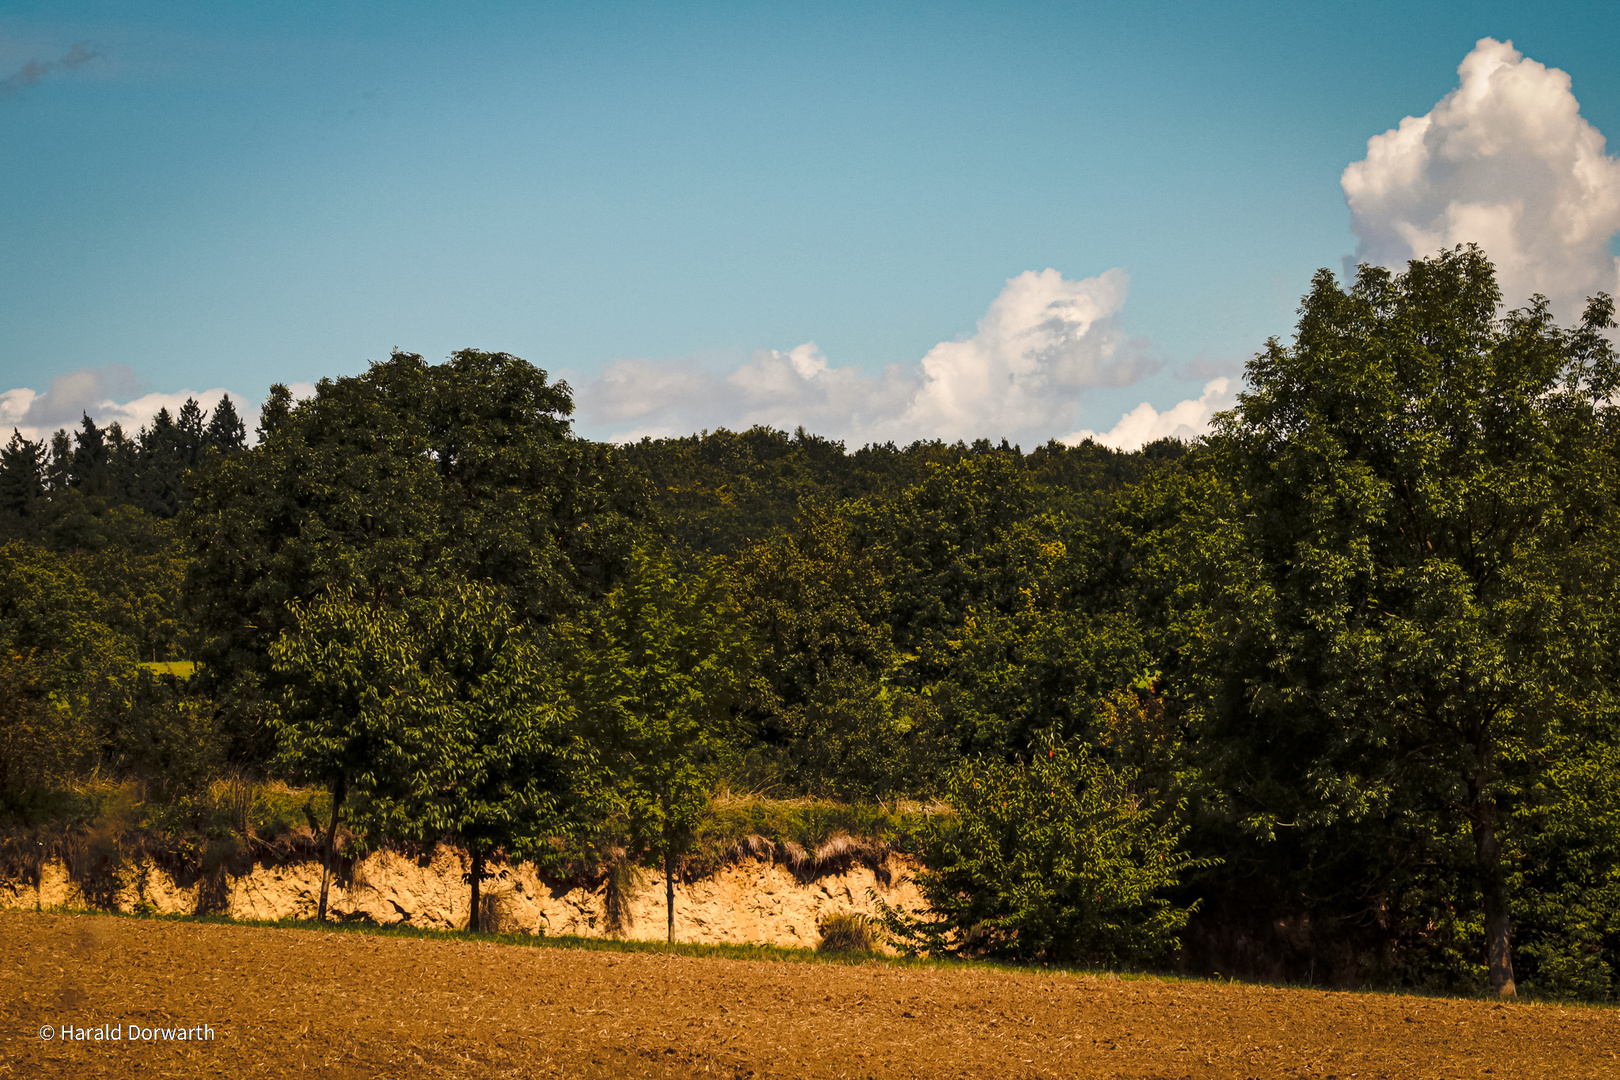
(508, 761)
(1055, 859)
(354, 689)
(443, 721)
(386, 484)
(1416, 607)
(656, 668)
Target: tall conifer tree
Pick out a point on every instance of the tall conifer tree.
(22, 474)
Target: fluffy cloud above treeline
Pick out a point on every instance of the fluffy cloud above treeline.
(1505, 161)
(1042, 344)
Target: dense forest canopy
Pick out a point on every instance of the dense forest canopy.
(1326, 694)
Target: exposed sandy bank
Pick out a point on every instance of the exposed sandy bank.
(753, 901)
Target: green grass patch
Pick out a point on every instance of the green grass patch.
(182, 669)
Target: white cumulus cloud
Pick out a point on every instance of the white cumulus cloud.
(1044, 341)
(1505, 161)
(1144, 424)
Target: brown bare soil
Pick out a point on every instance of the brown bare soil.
(287, 1002)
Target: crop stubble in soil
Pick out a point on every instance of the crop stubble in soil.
(291, 1002)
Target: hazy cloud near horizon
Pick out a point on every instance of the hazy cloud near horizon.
(1505, 161)
(1044, 341)
(95, 391)
(1185, 420)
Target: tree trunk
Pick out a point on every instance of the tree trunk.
(473, 920)
(1493, 889)
(338, 788)
(669, 876)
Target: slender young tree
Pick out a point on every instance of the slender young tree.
(442, 722)
(352, 683)
(503, 759)
(658, 668)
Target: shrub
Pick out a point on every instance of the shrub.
(163, 736)
(1055, 860)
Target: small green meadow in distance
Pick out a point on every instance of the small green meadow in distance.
(183, 669)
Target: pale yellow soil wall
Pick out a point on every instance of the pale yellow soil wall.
(749, 902)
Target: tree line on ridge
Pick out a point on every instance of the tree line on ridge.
(1326, 695)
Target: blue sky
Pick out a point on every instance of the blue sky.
(663, 203)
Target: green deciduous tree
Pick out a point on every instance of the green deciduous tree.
(1564, 878)
(350, 715)
(392, 481)
(657, 669)
(1413, 605)
(61, 665)
(507, 767)
(823, 663)
(951, 543)
(816, 608)
(442, 722)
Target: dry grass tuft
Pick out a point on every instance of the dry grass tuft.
(846, 931)
(753, 846)
(297, 843)
(836, 854)
(236, 796)
(494, 911)
(794, 857)
(624, 880)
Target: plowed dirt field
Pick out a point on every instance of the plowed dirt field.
(285, 1003)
